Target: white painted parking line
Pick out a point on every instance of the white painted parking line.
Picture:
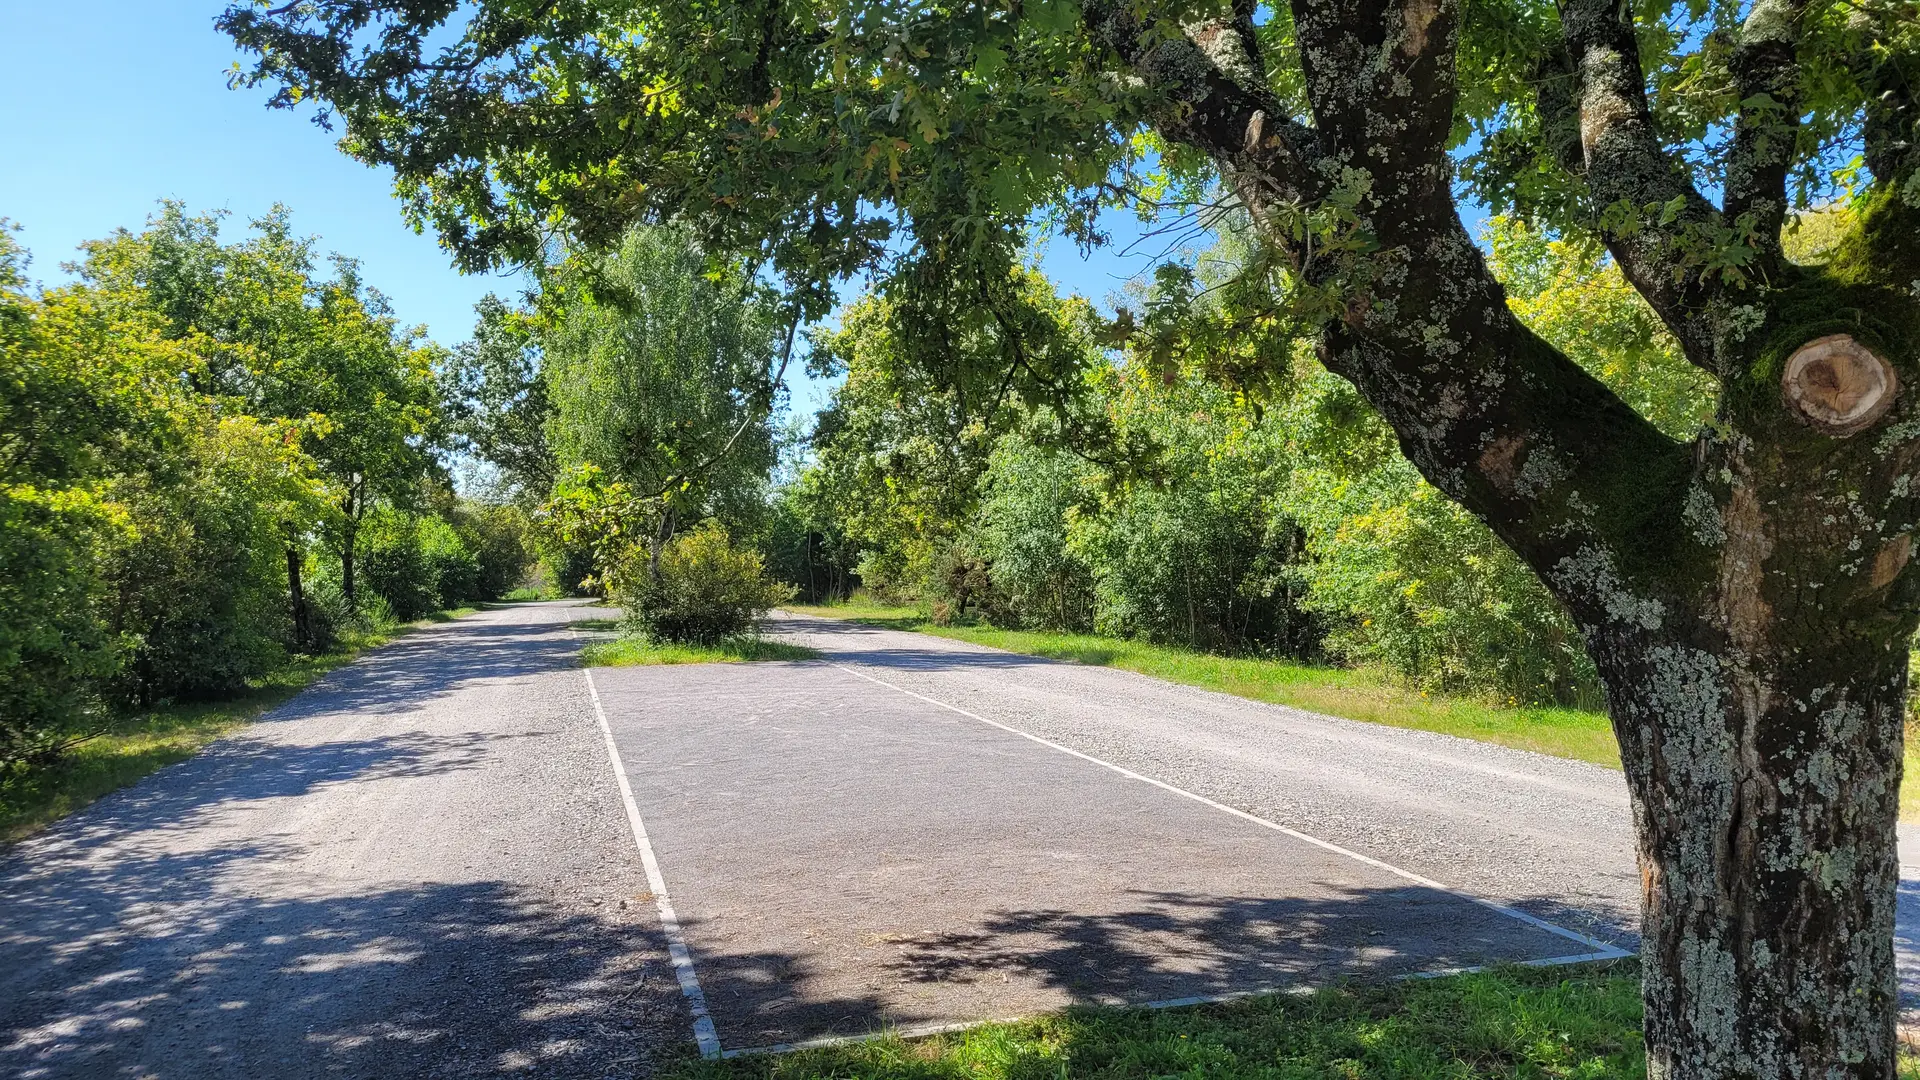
(704, 1034)
(1602, 950)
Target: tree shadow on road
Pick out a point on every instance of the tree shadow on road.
(432, 663)
(461, 980)
(1147, 947)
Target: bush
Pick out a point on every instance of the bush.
(705, 589)
(1030, 500)
(204, 586)
(451, 561)
(1410, 581)
(53, 643)
(566, 570)
(501, 542)
(394, 566)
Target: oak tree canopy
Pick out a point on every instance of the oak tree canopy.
(1745, 594)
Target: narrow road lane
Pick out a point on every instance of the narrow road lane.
(419, 867)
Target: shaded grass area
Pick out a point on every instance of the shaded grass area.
(636, 651)
(1355, 693)
(1511, 1022)
(151, 741)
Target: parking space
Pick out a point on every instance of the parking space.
(846, 856)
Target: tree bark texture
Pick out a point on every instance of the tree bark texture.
(1746, 596)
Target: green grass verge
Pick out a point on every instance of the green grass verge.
(636, 651)
(1512, 1022)
(1355, 693)
(164, 736)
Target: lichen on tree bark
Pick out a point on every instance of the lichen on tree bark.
(1745, 596)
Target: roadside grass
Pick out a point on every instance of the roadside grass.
(1575, 1023)
(1374, 697)
(636, 651)
(143, 744)
(1355, 693)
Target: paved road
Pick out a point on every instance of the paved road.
(424, 865)
(1547, 836)
(844, 856)
(419, 867)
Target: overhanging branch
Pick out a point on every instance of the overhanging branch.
(1766, 76)
(1629, 167)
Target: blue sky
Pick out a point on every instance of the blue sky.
(107, 107)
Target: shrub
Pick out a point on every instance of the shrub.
(53, 643)
(394, 564)
(501, 543)
(566, 569)
(204, 584)
(451, 562)
(1408, 580)
(1030, 500)
(705, 589)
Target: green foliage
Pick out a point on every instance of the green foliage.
(1030, 496)
(501, 539)
(418, 563)
(699, 590)
(1197, 551)
(55, 650)
(394, 564)
(178, 431)
(202, 585)
(989, 509)
(497, 402)
(662, 369)
(1573, 295)
(805, 544)
(272, 338)
(452, 563)
(1296, 529)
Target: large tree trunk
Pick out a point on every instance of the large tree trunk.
(1765, 798)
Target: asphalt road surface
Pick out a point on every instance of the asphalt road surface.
(419, 867)
(426, 864)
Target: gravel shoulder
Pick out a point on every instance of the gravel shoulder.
(420, 866)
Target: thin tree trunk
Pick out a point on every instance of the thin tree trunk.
(351, 506)
(302, 625)
(351, 536)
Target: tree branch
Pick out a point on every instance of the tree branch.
(1627, 164)
(1767, 77)
(1216, 99)
(1491, 414)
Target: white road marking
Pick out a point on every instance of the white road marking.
(1602, 950)
(703, 1031)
